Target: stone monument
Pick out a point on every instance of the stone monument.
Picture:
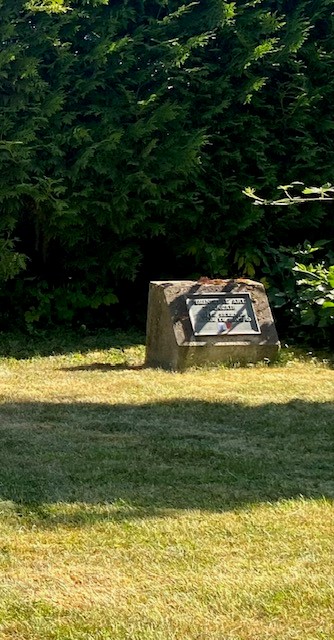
(195, 323)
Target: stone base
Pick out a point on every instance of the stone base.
(171, 343)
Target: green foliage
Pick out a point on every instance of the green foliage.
(316, 295)
(129, 128)
(310, 300)
(309, 194)
(59, 304)
(302, 291)
(11, 262)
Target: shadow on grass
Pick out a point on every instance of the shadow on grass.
(58, 342)
(105, 366)
(127, 461)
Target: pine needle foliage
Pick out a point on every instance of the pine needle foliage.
(129, 129)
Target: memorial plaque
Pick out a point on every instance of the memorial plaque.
(222, 314)
(195, 323)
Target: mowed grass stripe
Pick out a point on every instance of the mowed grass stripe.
(141, 504)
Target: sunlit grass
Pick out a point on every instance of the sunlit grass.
(141, 504)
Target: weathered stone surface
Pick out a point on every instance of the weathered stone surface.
(171, 341)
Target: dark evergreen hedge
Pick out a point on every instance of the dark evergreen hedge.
(129, 129)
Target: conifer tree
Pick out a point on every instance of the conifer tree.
(130, 128)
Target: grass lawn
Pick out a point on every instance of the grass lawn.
(144, 505)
